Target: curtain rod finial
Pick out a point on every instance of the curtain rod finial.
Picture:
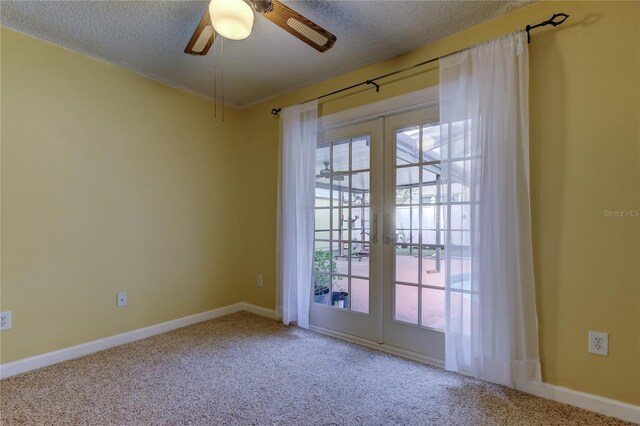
(563, 17)
(551, 21)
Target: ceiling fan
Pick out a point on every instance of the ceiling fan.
(233, 19)
(327, 173)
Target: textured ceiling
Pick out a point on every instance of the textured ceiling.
(149, 37)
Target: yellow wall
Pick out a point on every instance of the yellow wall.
(113, 182)
(585, 158)
(110, 182)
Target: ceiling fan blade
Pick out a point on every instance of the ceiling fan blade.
(202, 37)
(300, 27)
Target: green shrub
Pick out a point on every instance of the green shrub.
(323, 262)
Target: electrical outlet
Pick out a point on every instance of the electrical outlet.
(5, 320)
(260, 281)
(121, 299)
(598, 343)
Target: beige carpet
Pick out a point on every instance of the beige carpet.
(244, 369)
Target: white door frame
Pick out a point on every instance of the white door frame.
(413, 337)
(404, 103)
(416, 100)
(366, 325)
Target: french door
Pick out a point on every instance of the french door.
(414, 234)
(346, 292)
(379, 228)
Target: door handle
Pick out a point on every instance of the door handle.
(392, 238)
(385, 225)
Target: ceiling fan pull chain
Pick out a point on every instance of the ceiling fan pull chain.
(215, 92)
(222, 74)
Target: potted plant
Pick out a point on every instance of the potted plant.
(323, 262)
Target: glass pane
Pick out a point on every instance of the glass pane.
(459, 253)
(458, 266)
(341, 257)
(406, 302)
(365, 225)
(360, 157)
(407, 177)
(360, 260)
(322, 289)
(323, 160)
(459, 216)
(407, 195)
(322, 194)
(406, 264)
(431, 173)
(432, 308)
(433, 225)
(360, 189)
(460, 281)
(348, 224)
(432, 184)
(322, 219)
(430, 216)
(360, 224)
(340, 192)
(403, 224)
(460, 241)
(415, 226)
(403, 196)
(343, 234)
(431, 143)
(458, 142)
(325, 247)
(341, 224)
(408, 145)
(430, 237)
(360, 295)
(322, 235)
(323, 258)
(430, 194)
(340, 292)
(407, 225)
(460, 173)
(336, 218)
(341, 156)
(340, 284)
(433, 266)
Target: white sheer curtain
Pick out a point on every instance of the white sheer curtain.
(296, 189)
(491, 326)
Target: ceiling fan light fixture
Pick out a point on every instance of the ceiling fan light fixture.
(232, 19)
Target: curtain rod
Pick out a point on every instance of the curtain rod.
(551, 21)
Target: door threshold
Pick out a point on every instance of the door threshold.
(414, 356)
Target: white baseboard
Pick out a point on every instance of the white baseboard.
(606, 406)
(258, 310)
(50, 358)
(378, 346)
(599, 404)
